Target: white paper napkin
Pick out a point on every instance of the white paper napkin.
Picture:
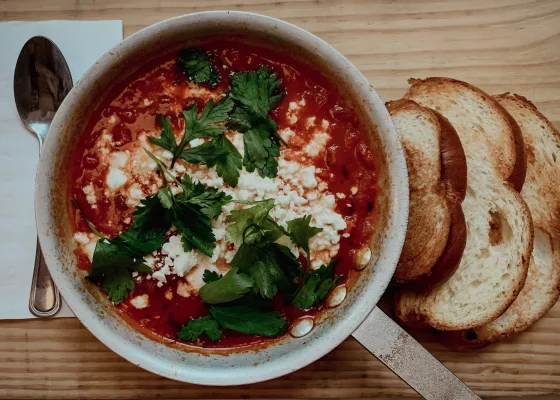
(82, 43)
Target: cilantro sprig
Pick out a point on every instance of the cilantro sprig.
(255, 94)
(115, 259)
(227, 288)
(195, 327)
(316, 286)
(191, 211)
(198, 66)
(301, 232)
(210, 123)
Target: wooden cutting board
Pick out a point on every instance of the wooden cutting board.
(499, 45)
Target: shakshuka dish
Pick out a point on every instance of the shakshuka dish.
(222, 195)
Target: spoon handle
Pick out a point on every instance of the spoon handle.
(44, 299)
(395, 348)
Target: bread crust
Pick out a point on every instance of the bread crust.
(435, 264)
(542, 191)
(498, 174)
(517, 174)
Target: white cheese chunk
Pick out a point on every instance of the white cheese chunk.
(115, 178)
(89, 191)
(140, 302)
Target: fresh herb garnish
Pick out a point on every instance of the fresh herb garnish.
(191, 211)
(218, 152)
(208, 199)
(196, 327)
(256, 93)
(316, 286)
(230, 287)
(208, 124)
(198, 67)
(250, 319)
(115, 259)
(210, 276)
(300, 232)
(248, 222)
(272, 266)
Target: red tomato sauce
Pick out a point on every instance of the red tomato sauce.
(347, 164)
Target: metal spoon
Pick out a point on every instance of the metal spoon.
(42, 80)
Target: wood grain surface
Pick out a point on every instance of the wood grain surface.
(498, 45)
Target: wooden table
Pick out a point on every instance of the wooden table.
(499, 45)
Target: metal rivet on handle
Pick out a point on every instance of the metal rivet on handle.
(302, 327)
(337, 296)
(362, 258)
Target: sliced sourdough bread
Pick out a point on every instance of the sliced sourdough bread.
(542, 194)
(437, 172)
(494, 265)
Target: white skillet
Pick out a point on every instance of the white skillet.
(357, 315)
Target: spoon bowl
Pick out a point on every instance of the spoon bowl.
(42, 80)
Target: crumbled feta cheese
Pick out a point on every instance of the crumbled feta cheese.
(310, 122)
(197, 142)
(181, 261)
(346, 235)
(166, 154)
(325, 124)
(90, 248)
(237, 141)
(89, 191)
(341, 195)
(135, 192)
(285, 134)
(183, 289)
(354, 189)
(140, 302)
(308, 177)
(81, 238)
(115, 178)
(119, 159)
(317, 144)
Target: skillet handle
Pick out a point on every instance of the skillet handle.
(403, 355)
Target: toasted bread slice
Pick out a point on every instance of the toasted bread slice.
(437, 172)
(494, 265)
(542, 194)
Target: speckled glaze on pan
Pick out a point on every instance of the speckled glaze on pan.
(186, 363)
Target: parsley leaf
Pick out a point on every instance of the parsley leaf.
(230, 287)
(208, 123)
(195, 227)
(300, 232)
(208, 199)
(115, 259)
(258, 91)
(191, 211)
(315, 287)
(260, 151)
(198, 67)
(210, 276)
(196, 327)
(245, 220)
(272, 266)
(218, 152)
(167, 138)
(250, 319)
